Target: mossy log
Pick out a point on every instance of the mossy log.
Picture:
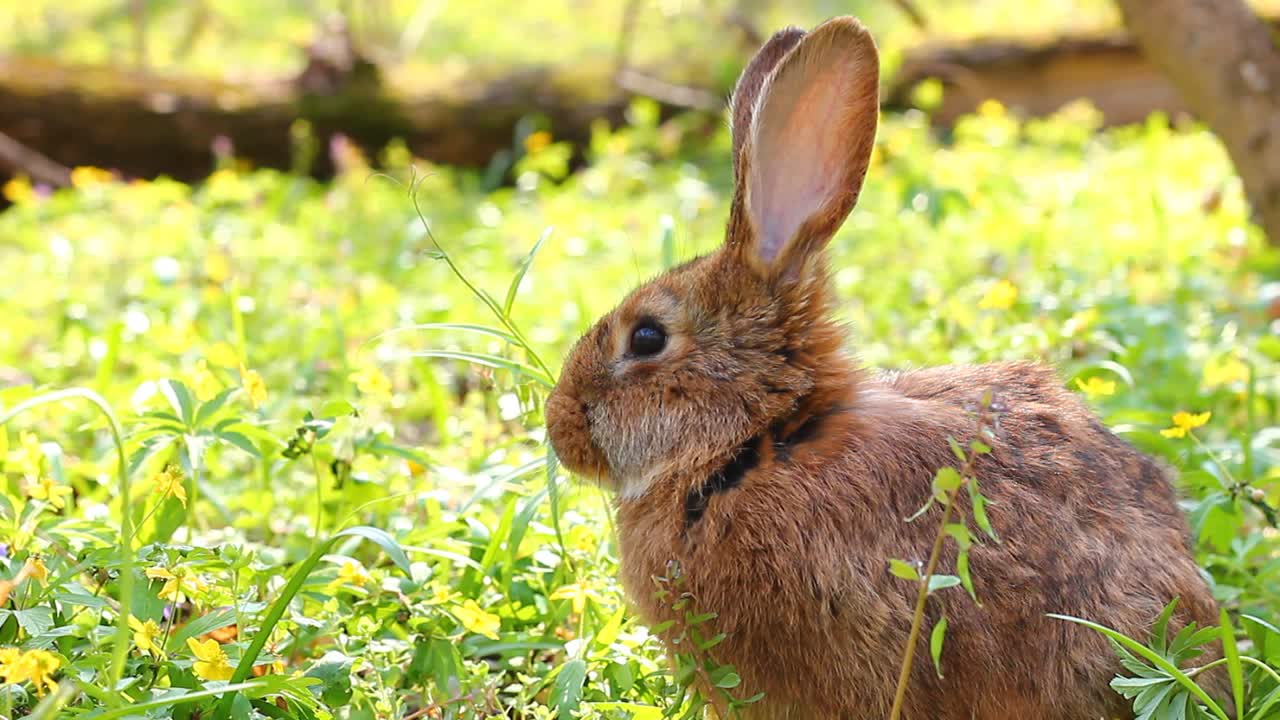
(145, 125)
(1035, 79)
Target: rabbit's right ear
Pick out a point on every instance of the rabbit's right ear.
(746, 93)
(807, 146)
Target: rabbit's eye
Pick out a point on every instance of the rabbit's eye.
(648, 339)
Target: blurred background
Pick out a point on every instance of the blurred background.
(151, 87)
(322, 261)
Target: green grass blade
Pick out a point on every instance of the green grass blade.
(1152, 657)
(1232, 655)
(521, 270)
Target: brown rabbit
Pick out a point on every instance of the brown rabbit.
(745, 444)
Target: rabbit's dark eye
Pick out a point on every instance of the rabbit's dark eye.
(648, 339)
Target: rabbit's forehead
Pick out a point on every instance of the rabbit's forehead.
(657, 298)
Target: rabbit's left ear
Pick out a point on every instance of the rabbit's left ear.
(810, 140)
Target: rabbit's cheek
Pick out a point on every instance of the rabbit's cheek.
(569, 431)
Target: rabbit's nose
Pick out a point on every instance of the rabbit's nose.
(569, 430)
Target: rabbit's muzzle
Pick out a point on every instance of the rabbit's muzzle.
(569, 430)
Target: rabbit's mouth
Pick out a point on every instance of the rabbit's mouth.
(569, 430)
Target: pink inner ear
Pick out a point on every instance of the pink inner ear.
(799, 160)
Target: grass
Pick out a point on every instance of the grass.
(368, 522)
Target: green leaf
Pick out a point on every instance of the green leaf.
(960, 534)
(382, 540)
(1232, 655)
(962, 569)
(979, 503)
(936, 638)
(567, 691)
(521, 270)
(207, 623)
(334, 673)
(944, 482)
(956, 449)
(36, 621)
(1152, 657)
(942, 582)
(209, 409)
(494, 361)
(903, 570)
(180, 400)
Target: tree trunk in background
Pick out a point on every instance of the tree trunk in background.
(1223, 61)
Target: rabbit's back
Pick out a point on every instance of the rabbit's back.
(793, 557)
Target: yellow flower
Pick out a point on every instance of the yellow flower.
(476, 620)
(253, 385)
(991, 109)
(440, 596)
(145, 636)
(35, 568)
(169, 484)
(205, 382)
(211, 660)
(217, 267)
(1185, 422)
(537, 141)
(34, 665)
(1096, 386)
(50, 491)
(223, 355)
(351, 573)
(175, 584)
(30, 454)
(1000, 296)
(18, 191)
(1079, 322)
(84, 176)
(578, 593)
(10, 658)
(370, 380)
(1225, 370)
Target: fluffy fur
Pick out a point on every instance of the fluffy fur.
(777, 473)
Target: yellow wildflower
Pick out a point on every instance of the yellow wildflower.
(146, 635)
(50, 491)
(1225, 371)
(169, 483)
(991, 109)
(223, 355)
(351, 573)
(10, 658)
(1185, 422)
(477, 620)
(253, 385)
(537, 141)
(440, 596)
(204, 381)
(1000, 296)
(578, 593)
(217, 267)
(211, 660)
(370, 380)
(1079, 322)
(18, 191)
(85, 176)
(35, 568)
(1096, 386)
(175, 584)
(30, 454)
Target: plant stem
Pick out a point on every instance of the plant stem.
(917, 619)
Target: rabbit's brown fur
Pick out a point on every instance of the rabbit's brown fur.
(753, 452)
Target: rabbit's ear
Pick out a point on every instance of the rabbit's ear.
(809, 145)
(747, 91)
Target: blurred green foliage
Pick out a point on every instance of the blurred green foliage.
(260, 336)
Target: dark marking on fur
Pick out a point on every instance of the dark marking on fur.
(728, 477)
